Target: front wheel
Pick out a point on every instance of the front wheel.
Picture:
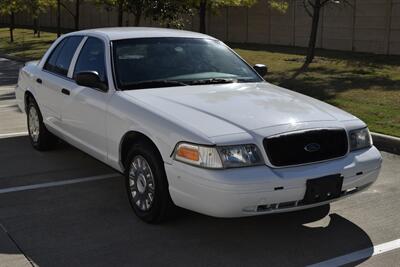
(147, 184)
(40, 137)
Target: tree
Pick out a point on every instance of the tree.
(75, 15)
(58, 18)
(9, 8)
(168, 13)
(77, 11)
(164, 11)
(313, 9)
(109, 5)
(136, 7)
(204, 6)
(59, 4)
(37, 7)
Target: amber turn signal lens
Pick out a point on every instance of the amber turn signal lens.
(188, 153)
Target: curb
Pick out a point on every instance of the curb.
(386, 143)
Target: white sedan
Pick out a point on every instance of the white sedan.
(191, 124)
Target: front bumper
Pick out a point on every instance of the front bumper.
(259, 190)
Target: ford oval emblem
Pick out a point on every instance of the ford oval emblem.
(312, 147)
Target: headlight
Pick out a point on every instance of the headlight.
(240, 156)
(218, 157)
(360, 139)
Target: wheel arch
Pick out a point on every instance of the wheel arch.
(27, 95)
(131, 138)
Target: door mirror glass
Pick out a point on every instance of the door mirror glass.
(90, 79)
(261, 69)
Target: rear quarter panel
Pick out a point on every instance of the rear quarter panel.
(26, 82)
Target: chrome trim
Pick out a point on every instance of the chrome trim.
(142, 184)
(33, 124)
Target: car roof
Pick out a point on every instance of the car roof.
(119, 33)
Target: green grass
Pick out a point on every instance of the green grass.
(365, 85)
(25, 44)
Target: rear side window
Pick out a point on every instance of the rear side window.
(61, 57)
(92, 58)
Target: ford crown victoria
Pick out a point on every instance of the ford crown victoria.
(191, 124)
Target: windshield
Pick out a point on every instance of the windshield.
(163, 62)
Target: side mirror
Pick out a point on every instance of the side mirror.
(261, 69)
(90, 79)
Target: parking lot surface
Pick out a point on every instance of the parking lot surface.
(64, 208)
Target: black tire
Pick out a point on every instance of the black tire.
(44, 139)
(162, 206)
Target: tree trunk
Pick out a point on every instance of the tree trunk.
(120, 13)
(202, 15)
(76, 18)
(12, 23)
(38, 26)
(58, 18)
(312, 41)
(138, 16)
(35, 26)
(314, 32)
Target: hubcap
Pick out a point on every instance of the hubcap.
(141, 183)
(33, 120)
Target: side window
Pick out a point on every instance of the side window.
(50, 64)
(60, 59)
(92, 58)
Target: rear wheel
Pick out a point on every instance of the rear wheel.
(40, 137)
(147, 184)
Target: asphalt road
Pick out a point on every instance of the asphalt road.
(46, 221)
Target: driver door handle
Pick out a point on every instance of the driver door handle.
(65, 91)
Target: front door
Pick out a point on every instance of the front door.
(84, 110)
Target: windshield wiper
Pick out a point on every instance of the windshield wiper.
(212, 81)
(152, 84)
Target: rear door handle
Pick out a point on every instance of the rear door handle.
(38, 80)
(65, 91)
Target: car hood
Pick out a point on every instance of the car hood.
(237, 107)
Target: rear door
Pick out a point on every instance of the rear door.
(53, 80)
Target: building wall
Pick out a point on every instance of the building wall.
(363, 26)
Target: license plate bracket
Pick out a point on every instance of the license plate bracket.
(323, 189)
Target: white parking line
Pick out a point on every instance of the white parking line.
(58, 183)
(8, 110)
(7, 135)
(7, 88)
(359, 255)
(9, 105)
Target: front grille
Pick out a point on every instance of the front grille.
(304, 147)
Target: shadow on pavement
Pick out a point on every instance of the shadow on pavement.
(9, 71)
(20, 164)
(92, 224)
